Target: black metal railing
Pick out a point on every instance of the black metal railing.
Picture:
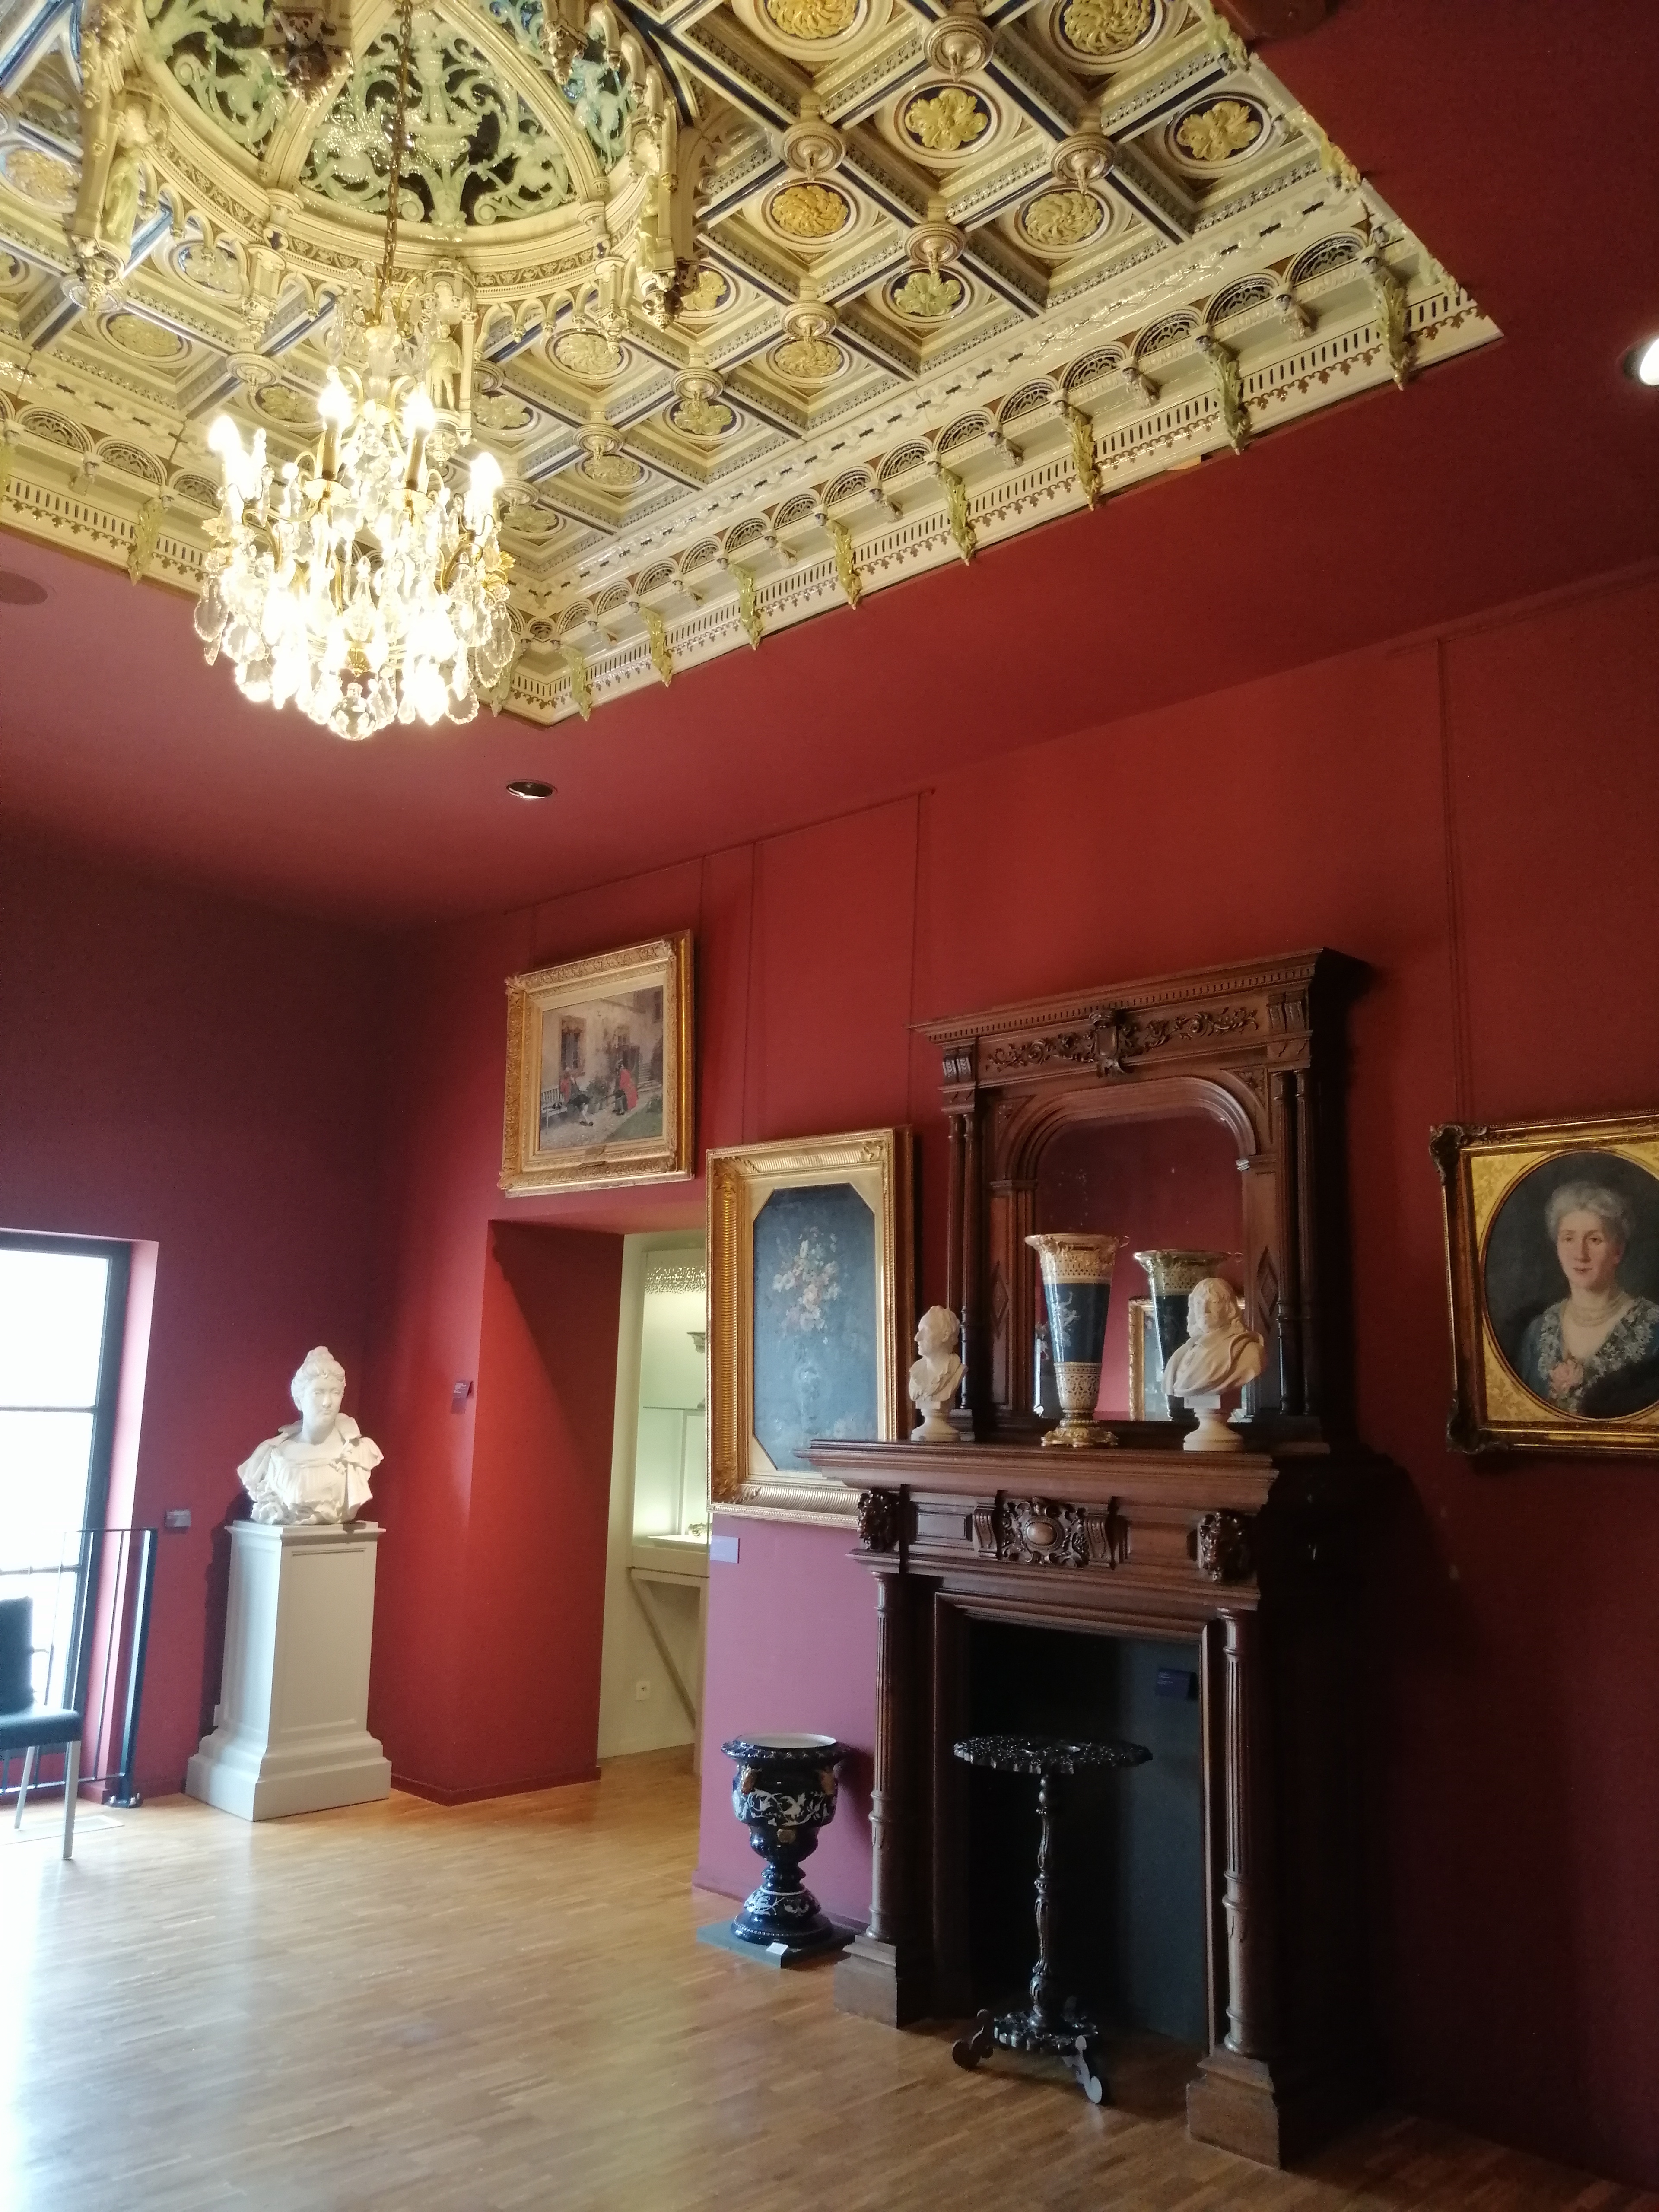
(91, 1637)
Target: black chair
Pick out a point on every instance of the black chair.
(32, 1728)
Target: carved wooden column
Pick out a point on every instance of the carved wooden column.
(1308, 1252)
(888, 1837)
(1293, 1377)
(1244, 1884)
(882, 1977)
(974, 1336)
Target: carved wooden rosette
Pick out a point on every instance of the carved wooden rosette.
(1253, 1047)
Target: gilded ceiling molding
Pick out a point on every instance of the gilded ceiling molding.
(728, 285)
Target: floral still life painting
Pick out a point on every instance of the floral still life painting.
(1553, 1242)
(814, 1320)
(811, 1283)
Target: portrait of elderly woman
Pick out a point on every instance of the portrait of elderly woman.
(1570, 1270)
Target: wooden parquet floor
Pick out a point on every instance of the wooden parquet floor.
(502, 2006)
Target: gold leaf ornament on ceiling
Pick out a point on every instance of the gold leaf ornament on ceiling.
(812, 22)
(924, 296)
(730, 169)
(1097, 28)
(590, 355)
(216, 50)
(946, 121)
(42, 178)
(144, 340)
(1220, 133)
(1055, 220)
(808, 359)
(477, 155)
(701, 417)
(295, 410)
(809, 212)
(704, 293)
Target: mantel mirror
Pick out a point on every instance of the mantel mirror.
(1192, 1114)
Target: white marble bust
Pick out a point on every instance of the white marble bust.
(316, 1468)
(934, 1377)
(1220, 1357)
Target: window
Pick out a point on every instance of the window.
(63, 1312)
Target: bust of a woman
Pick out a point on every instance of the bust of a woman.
(316, 1468)
(1597, 1350)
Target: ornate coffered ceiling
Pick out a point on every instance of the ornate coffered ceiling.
(769, 303)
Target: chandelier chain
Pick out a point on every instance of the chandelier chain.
(399, 143)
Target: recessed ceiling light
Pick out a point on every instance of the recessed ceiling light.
(17, 591)
(527, 787)
(1641, 362)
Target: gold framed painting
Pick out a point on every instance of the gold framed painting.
(811, 1256)
(599, 1071)
(1552, 1262)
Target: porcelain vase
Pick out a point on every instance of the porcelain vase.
(1077, 1286)
(784, 1792)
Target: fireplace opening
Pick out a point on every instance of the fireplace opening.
(1128, 1917)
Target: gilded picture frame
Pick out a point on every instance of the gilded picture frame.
(1146, 1400)
(600, 1070)
(812, 1292)
(1552, 1273)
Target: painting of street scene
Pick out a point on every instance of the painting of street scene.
(602, 1071)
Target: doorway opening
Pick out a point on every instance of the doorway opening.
(656, 1553)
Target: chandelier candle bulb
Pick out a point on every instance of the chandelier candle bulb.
(419, 416)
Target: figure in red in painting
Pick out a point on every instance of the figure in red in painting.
(626, 1090)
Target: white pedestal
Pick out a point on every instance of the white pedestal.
(292, 1734)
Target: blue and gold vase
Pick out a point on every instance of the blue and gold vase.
(784, 1792)
(1076, 1287)
(1173, 1274)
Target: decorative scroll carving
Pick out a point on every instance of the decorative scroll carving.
(1187, 1029)
(1112, 1037)
(1040, 1534)
(985, 1530)
(879, 1520)
(1221, 1545)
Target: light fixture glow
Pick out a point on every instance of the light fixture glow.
(1641, 362)
(528, 788)
(354, 581)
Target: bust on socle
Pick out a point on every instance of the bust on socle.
(1220, 1357)
(935, 1376)
(316, 1468)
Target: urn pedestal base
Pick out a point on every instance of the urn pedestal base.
(292, 1734)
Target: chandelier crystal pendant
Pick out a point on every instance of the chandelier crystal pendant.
(354, 581)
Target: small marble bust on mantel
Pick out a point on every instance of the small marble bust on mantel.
(316, 1468)
(935, 1376)
(1220, 1357)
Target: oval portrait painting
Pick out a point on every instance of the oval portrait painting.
(1571, 1278)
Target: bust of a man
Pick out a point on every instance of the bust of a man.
(316, 1468)
(1220, 1353)
(935, 1376)
(1220, 1357)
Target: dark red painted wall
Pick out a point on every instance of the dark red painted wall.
(205, 1075)
(1474, 819)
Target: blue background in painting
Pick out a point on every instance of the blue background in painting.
(814, 1320)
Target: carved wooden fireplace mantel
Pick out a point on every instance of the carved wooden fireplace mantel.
(1246, 1553)
(1249, 1554)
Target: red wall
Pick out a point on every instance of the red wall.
(1472, 816)
(205, 1076)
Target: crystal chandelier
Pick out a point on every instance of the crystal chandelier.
(354, 581)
